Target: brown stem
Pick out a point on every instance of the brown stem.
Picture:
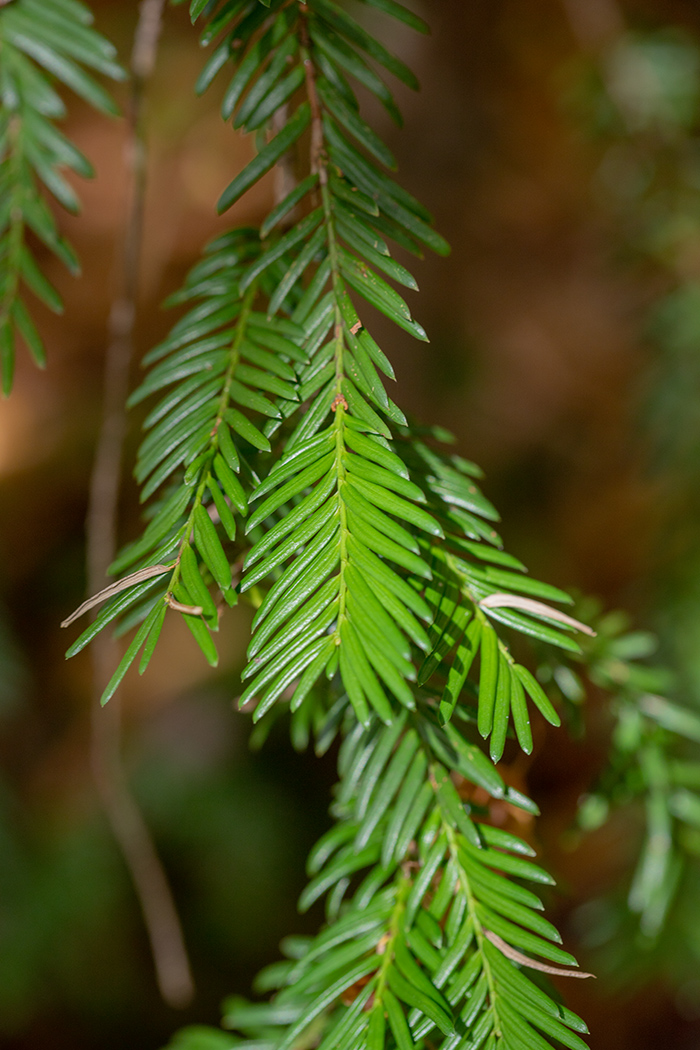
(285, 180)
(318, 160)
(128, 826)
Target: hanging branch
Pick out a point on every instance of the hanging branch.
(128, 825)
(368, 554)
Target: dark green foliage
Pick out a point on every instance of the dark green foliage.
(359, 567)
(43, 44)
(420, 903)
(386, 611)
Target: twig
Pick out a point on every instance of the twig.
(284, 169)
(317, 149)
(128, 826)
(189, 610)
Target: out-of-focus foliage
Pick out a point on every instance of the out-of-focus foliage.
(640, 100)
(653, 769)
(42, 43)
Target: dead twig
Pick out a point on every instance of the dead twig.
(127, 823)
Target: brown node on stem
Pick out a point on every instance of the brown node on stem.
(382, 943)
(499, 812)
(350, 994)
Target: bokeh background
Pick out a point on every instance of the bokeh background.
(558, 144)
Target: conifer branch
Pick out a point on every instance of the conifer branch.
(42, 43)
(368, 554)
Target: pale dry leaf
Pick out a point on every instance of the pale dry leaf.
(532, 964)
(515, 601)
(115, 588)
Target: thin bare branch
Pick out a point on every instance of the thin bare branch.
(285, 180)
(128, 826)
(317, 150)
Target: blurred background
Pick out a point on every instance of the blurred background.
(558, 144)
